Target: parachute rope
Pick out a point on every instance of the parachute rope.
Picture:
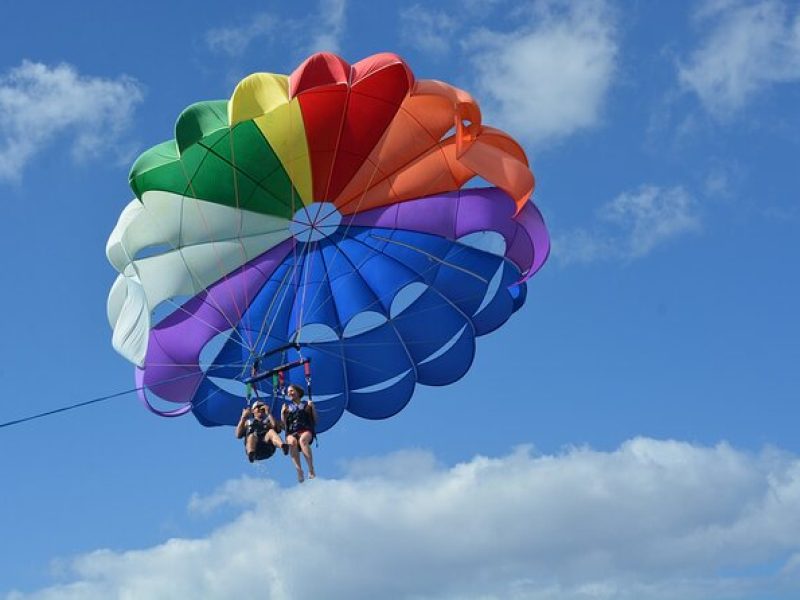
(306, 272)
(249, 345)
(338, 249)
(377, 302)
(235, 177)
(99, 399)
(429, 256)
(403, 343)
(236, 169)
(274, 319)
(266, 319)
(179, 307)
(221, 267)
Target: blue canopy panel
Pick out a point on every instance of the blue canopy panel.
(499, 303)
(213, 405)
(474, 280)
(382, 274)
(376, 311)
(263, 325)
(439, 338)
(518, 295)
(380, 372)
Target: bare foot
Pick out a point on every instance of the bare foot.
(300, 477)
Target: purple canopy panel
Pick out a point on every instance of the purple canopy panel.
(531, 222)
(171, 367)
(456, 214)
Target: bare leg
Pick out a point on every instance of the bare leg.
(274, 439)
(250, 446)
(292, 441)
(305, 446)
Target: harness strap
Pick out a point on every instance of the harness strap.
(307, 371)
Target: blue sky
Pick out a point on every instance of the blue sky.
(649, 385)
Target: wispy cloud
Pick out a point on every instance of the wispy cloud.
(321, 30)
(630, 226)
(750, 46)
(234, 41)
(653, 519)
(329, 27)
(549, 77)
(428, 30)
(40, 104)
(724, 178)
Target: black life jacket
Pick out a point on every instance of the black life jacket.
(298, 417)
(258, 426)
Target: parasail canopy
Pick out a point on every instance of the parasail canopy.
(327, 208)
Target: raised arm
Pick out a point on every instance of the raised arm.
(241, 427)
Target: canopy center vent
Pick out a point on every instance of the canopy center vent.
(315, 221)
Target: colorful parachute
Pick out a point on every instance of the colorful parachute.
(326, 208)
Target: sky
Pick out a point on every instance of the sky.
(630, 433)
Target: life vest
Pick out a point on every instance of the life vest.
(258, 426)
(298, 417)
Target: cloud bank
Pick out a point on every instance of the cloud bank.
(41, 103)
(650, 520)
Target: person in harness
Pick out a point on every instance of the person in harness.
(299, 417)
(260, 432)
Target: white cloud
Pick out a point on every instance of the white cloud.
(481, 8)
(631, 226)
(724, 178)
(653, 520)
(233, 41)
(652, 216)
(328, 27)
(318, 31)
(40, 103)
(548, 78)
(718, 183)
(428, 30)
(750, 47)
